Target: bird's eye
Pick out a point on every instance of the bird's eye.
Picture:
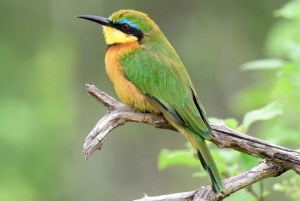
(125, 27)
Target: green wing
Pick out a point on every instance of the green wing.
(168, 86)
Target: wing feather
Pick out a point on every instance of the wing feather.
(168, 86)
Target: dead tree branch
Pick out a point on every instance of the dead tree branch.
(278, 159)
(261, 171)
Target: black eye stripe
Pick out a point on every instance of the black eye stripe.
(125, 27)
(130, 30)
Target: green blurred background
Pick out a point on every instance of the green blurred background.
(47, 56)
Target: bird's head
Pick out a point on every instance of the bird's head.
(124, 26)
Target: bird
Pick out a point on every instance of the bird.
(149, 76)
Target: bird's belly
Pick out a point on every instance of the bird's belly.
(126, 90)
(132, 96)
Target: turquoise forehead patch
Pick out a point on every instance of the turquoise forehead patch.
(125, 21)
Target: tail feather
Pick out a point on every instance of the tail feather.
(204, 156)
(208, 164)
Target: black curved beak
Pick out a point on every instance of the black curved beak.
(100, 20)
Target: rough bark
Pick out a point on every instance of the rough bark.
(278, 159)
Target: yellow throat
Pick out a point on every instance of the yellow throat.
(113, 36)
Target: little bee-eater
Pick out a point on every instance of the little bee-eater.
(149, 76)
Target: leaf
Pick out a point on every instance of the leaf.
(265, 193)
(225, 155)
(290, 135)
(213, 120)
(231, 122)
(248, 161)
(169, 158)
(290, 10)
(279, 187)
(292, 50)
(263, 64)
(227, 161)
(268, 112)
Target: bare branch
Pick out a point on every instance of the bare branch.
(186, 196)
(261, 171)
(280, 159)
(228, 138)
(117, 114)
(225, 137)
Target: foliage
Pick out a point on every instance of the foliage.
(290, 187)
(280, 97)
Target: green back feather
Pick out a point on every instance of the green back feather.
(158, 72)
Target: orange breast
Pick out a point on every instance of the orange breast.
(126, 90)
